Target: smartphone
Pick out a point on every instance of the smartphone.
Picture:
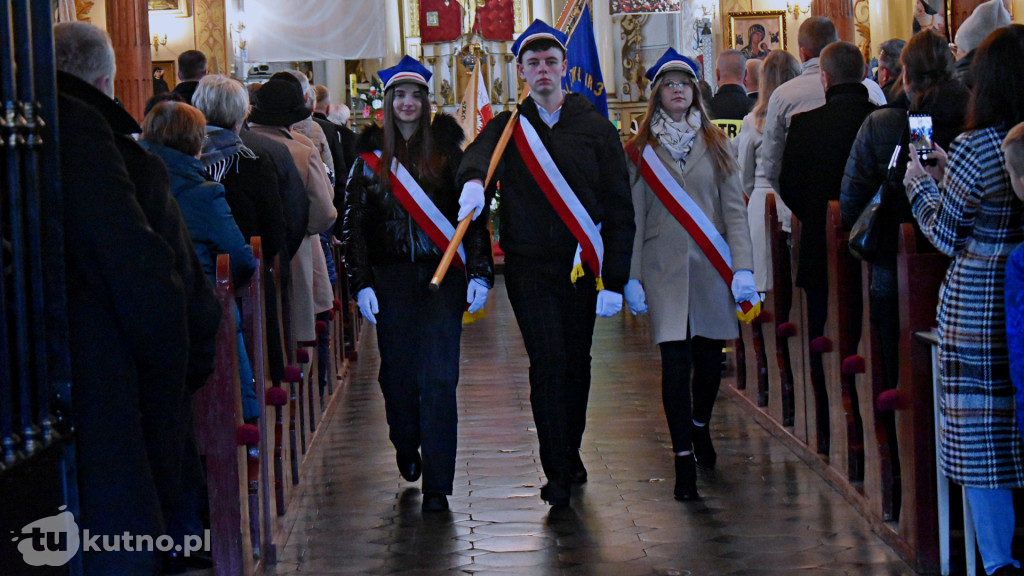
(921, 133)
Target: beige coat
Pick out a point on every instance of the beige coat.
(683, 288)
(309, 261)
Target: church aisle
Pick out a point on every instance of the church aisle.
(764, 512)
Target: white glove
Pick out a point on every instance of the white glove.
(367, 300)
(635, 297)
(472, 200)
(743, 287)
(476, 295)
(608, 303)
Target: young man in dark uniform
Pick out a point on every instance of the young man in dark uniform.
(564, 188)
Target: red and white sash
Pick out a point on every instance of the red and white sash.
(693, 219)
(416, 202)
(558, 192)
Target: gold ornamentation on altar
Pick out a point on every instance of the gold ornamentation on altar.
(862, 25)
(632, 59)
(412, 16)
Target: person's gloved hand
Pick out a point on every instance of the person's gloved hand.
(471, 201)
(608, 303)
(476, 295)
(635, 297)
(367, 300)
(743, 287)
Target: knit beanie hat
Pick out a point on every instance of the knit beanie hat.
(985, 19)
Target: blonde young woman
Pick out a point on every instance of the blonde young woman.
(680, 161)
(779, 67)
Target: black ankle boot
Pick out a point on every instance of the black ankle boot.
(703, 449)
(686, 478)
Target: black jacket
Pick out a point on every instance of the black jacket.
(186, 89)
(817, 146)
(730, 103)
(378, 231)
(153, 193)
(588, 152)
(869, 158)
(294, 202)
(341, 167)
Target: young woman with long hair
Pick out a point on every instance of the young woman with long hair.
(402, 202)
(681, 160)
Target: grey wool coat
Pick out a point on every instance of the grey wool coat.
(683, 289)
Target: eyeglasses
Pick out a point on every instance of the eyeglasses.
(674, 85)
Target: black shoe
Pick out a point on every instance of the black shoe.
(703, 449)
(177, 563)
(434, 502)
(686, 478)
(410, 465)
(555, 494)
(577, 472)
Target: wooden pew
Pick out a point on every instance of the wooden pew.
(218, 422)
(804, 417)
(842, 333)
(869, 380)
(920, 270)
(260, 480)
(775, 329)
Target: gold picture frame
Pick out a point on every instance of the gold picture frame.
(176, 7)
(745, 26)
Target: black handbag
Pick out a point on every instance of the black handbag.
(866, 231)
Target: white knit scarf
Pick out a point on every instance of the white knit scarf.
(676, 137)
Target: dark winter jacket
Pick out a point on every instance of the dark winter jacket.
(817, 146)
(207, 215)
(294, 202)
(588, 152)
(867, 165)
(378, 231)
(730, 103)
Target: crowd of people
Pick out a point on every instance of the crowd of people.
(671, 223)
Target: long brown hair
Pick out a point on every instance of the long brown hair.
(419, 146)
(779, 67)
(998, 80)
(927, 65)
(714, 138)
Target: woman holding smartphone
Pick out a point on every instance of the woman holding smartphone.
(967, 209)
(681, 161)
(402, 205)
(934, 92)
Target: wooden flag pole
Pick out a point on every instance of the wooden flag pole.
(460, 231)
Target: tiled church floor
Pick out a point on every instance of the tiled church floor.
(763, 513)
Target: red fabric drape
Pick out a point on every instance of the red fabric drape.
(449, 21)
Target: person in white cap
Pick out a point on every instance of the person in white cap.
(567, 233)
(692, 256)
(398, 223)
(983, 21)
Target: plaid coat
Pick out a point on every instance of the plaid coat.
(974, 217)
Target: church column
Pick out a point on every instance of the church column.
(840, 12)
(128, 26)
(211, 35)
(890, 19)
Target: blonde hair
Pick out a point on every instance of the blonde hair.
(1013, 150)
(779, 67)
(176, 125)
(714, 138)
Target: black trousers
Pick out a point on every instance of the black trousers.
(691, 373)
(418, 335)
(556, 319)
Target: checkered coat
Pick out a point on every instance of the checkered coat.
(974, 217)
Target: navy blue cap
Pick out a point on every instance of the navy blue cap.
(408, 69)
(672, 60)
(539, 31)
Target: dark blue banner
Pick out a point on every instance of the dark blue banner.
(584, 75)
